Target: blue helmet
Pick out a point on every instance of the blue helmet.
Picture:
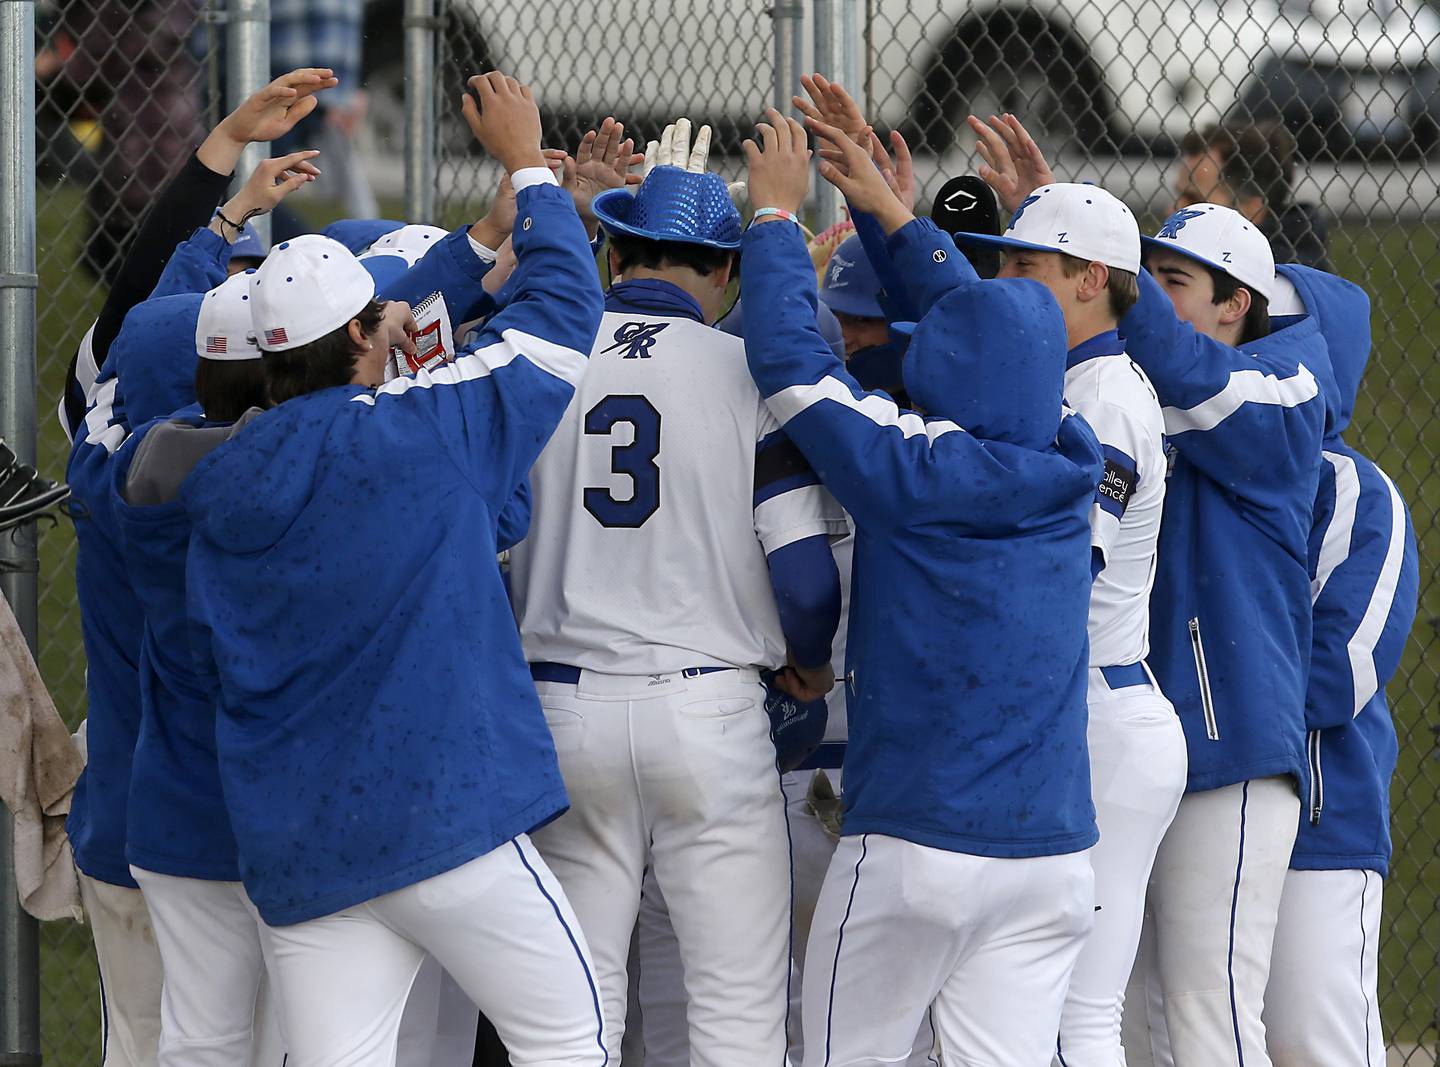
(850, 285)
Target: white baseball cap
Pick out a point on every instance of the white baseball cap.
(225, 329)
(1083, 221)
(1222, 238)
(412, 241)
(396, 252)
(306, 287)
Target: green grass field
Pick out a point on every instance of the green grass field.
(1396, 424)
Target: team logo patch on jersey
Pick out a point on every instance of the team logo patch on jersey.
(277, 336)
(215, 346)
(637, 338)
(1116, 485)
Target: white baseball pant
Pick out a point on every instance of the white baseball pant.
(212, 1013)
(438, 1026)
(1322, 1006)
(985, 945)
(658, 980)
(662, 974)
(131, 975)
(1215, 896)
(1137, 777)
(679, 771)
(500, 924)
(1147, 1043)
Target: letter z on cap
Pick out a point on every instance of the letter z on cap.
(1083, 221)
(306, 287)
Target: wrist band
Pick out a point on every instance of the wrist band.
(779, 212)
(238, 226)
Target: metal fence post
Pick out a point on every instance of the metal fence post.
(247, 71)
(827, 48)
(420, 160)
(19, 936)
(789, 22)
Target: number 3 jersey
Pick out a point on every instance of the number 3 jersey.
(657, 500)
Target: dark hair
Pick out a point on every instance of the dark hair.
(656, 255)
(227, 388)
(322, 363)
(1255, 160)
(1257, 319)
(1123, 287)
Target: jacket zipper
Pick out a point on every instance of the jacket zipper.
(1212, 731)
(1317, 778)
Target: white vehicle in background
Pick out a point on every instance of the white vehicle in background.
(1102, 76)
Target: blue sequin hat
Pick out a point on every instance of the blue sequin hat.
(673, 204)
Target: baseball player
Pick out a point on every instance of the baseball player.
(1230, 624)
(111, 628)
(810, 793)
(382, 754)
(1321, 1009)
(179, 844)
(961, 881)
(679, 544)
(1083, 245)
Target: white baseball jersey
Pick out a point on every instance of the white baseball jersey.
(654, 506)
(1119, 403)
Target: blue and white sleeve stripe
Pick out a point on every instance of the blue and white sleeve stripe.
(1243, 387)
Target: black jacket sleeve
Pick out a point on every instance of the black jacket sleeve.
(186, 203)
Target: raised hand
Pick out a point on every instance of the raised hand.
(851, 168)
(602, 161)
(506, 121)
(494, 229)
(1013, 164)
(274, 110)
(673, 149)
(899, 172)
(832, 105)
(269, 183)
(268, 114)
(779, 173)
(505, 264)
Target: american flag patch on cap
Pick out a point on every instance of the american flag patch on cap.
(276, 336)
(215, 346)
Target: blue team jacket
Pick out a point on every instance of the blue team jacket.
(1230, 610)
(177, 822)
(110, 613)
(1364, 580)
(377, 721)
(967, 648)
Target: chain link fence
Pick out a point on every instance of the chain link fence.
(1111, 88)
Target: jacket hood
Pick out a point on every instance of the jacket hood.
(1342, 311)
(991, 357)
(246, 494)
(154, 356)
